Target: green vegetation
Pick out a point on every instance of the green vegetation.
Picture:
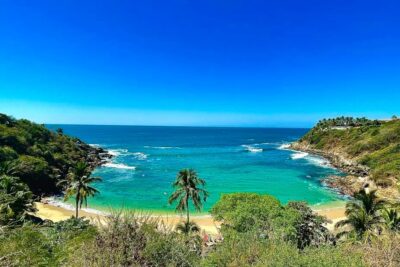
(256, 230)
(346, 122)
(78, 185)
(15, 201)
(39, 157)
(271, 237)
(188, 187)
(364, 215)
(375, 144)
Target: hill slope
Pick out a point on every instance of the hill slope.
(39, 156)
(358, 146)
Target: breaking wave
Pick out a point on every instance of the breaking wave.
(117, 152)
(284, 147)
(299, 155)
(252, 149)
(118, 166)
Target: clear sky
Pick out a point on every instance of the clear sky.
(249, 63)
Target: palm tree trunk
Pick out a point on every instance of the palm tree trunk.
(76, 205)
(187, 212)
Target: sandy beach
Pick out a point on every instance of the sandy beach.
(57, 213)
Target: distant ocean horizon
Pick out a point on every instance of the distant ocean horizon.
(231, 159)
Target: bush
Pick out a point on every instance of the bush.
(128, 239)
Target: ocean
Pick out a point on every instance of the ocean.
(147, 159)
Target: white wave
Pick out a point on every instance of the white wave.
(318, 161)
(117, 152)
(163, 147)
(140, 155)
(118, 166)
(252, 148)
(284, 146)
(94, 145)
(299, 155)
(57, 202)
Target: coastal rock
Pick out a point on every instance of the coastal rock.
(357, 175)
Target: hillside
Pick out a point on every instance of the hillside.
(360, 147)
(40, 157)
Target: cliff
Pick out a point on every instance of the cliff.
(368, 151)
(40, 157)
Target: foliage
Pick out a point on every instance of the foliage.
(42, 157)
(15, 200)
(363, 215)
(246, 249)
(346, 122)
(128, 239)
(245, 212)
(375, 144)
(187, 228)
(392, 219)
(310, 229)
(47, 245)
(78, 185)
(188, 186)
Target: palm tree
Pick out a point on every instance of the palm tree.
(78, 184)
(363, 214)
(188, 187)
(187, 228)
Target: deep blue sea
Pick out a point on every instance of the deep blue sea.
(256, 160)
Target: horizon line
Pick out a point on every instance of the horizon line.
(188, 126)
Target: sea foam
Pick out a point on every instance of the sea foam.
(118, 166)
(117, 152)
(299, 155)
(57, 202)
(284, 147)
(252, 148)
(140, 155)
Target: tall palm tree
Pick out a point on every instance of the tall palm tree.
(188, 186)
(363, 214)
(78, 185)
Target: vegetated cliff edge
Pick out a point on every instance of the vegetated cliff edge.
(368, 151)
(40, 157)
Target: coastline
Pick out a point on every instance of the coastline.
(356, 175)
(51, 209)
(54, 212)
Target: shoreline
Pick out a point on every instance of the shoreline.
(51, 209)
(54, 212)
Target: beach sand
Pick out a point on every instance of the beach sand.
(206, 222)
(56, 213)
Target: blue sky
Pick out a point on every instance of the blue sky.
(238, 63)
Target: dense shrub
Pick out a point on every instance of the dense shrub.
(376, 145)
(43, 157)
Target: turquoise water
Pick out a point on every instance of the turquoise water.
(229, 159)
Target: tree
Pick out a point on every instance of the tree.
(15, 200)
(363, 214)
(78, 185)
(309, 226)
(187, 227)
(262, 215)
(188, 186)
